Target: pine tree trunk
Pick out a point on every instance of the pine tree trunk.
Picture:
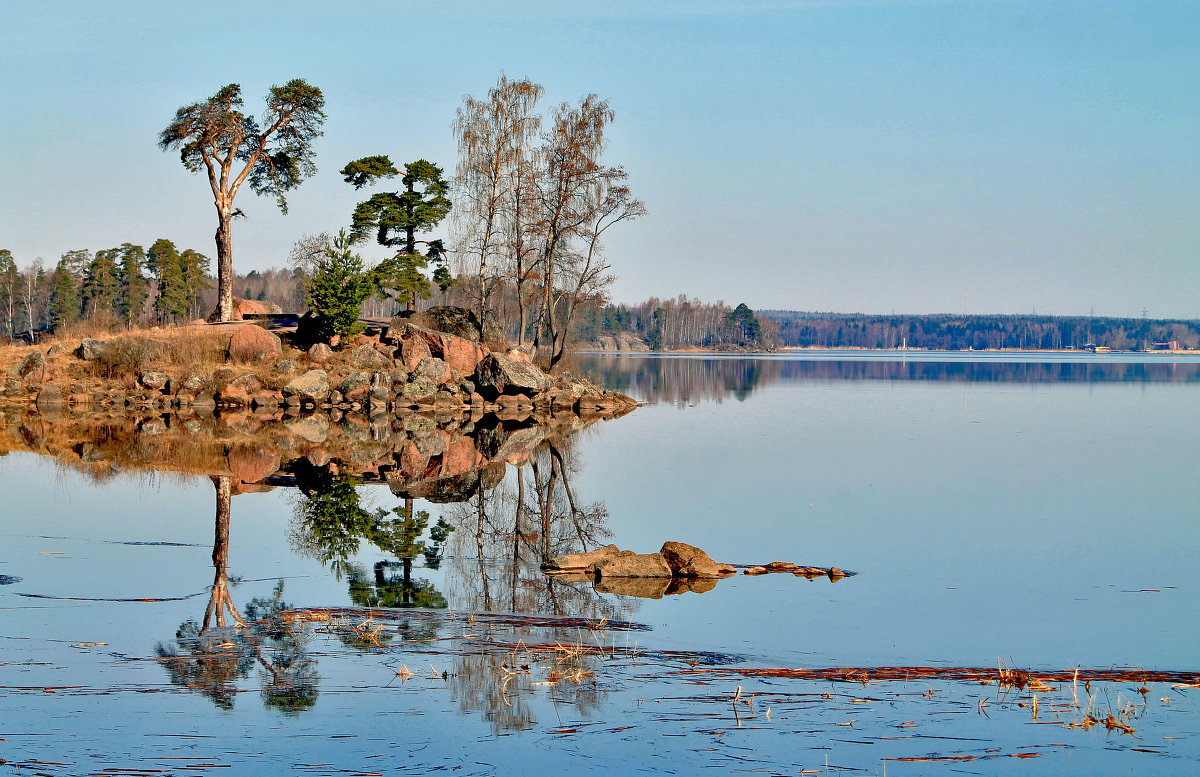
(224, 264)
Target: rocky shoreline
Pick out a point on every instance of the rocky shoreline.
(413, 364)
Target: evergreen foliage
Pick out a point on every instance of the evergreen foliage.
(396, 218)
(337, 288)
(65, 298)
(134, 287)
(182, 277)
(101, 289)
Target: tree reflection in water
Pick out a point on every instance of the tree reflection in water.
(494, 564)
(211, 657)
(504, 535)
(330, 522)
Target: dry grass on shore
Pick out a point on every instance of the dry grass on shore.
(176, 351)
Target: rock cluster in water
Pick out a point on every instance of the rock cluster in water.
(674, 560)
(676, 568)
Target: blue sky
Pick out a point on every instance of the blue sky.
(977, 155)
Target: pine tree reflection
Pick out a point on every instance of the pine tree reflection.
(212, 657)
(331, 522)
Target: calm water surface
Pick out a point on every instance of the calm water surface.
(1032, 510)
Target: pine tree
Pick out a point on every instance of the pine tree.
(101, 288)
(65, 303)
(193, 269)
(134, 286)
(396, 218)
(337, 288)
(171, 301)
(64, 299)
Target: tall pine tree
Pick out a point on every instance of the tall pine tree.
(134, 286)
(65, 302)
(100, 286)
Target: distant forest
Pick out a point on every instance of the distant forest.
(129, 286)
(979, 332)
(680, 323)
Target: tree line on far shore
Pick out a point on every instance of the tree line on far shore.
(980, 332)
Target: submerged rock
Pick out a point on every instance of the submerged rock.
(49, 398)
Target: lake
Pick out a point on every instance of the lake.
(1009, 519)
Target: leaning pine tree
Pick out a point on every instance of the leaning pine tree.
(232, 148)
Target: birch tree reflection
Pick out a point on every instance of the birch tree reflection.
(504, 534)
(212, 656)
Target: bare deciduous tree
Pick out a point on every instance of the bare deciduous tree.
(494, 143)
(579, 198)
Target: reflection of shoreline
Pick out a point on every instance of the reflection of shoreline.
(415, 455)
(685, 379)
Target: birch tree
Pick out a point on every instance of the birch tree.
(578, 199)
(495, 138)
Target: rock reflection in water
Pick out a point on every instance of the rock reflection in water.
(508, 503)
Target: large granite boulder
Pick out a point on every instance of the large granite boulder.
(413, 349)
(689, 561)
(240, 390)
(584, 562)
(416, 343)
(29, 365)
(431, 369)
(254, 344)
(356, 386)
(312, 386)
(456, 321)
(498, 374)
(633, 565)
(365, 356)
(320, 353)
(91, 349)
(155, 381)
